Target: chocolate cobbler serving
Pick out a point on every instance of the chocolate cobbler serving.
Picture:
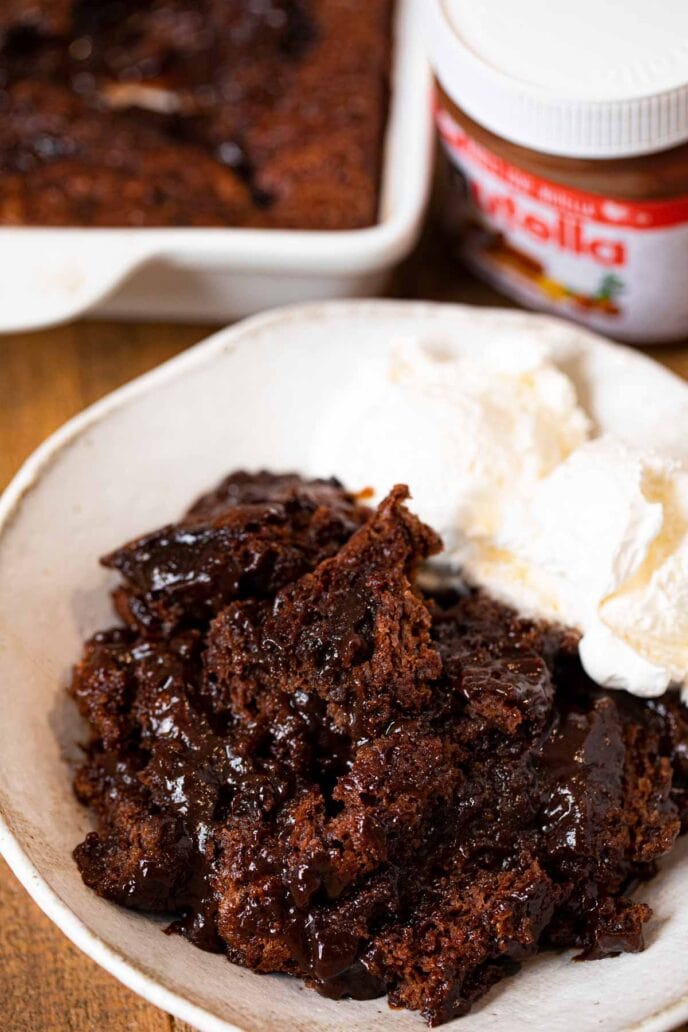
(193, 112)
(318, 765)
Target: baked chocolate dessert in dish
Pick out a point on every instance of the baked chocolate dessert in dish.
(203, 113)
(318, 766)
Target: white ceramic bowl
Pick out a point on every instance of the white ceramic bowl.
(253, 396)
(213, 275)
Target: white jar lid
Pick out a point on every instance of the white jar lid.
(579, 78)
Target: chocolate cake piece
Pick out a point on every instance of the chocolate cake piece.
(322, 770)
(353, 632)
(455, 947)
(305, 892)
(497, 667)
(118, 685)
(248, 538)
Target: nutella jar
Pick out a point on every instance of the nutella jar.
(566, 128)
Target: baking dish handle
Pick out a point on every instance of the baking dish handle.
(49, 277)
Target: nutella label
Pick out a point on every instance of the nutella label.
(619, 267)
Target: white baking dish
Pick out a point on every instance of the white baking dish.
(52, 275)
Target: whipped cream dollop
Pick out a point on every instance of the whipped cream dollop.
(504, 463)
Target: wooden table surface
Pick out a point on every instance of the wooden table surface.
(45, 983)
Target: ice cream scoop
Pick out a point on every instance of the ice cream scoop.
(602, 544)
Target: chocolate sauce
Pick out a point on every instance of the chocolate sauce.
(319, 769)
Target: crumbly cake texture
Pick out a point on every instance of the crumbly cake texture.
(320, 769)
(203, 113)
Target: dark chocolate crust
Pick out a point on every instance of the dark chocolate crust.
(203, 113)
(322, 770)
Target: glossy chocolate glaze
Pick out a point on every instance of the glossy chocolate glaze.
(322, 770)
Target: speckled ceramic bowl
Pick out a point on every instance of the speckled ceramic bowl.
(253, 396)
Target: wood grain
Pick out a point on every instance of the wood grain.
(45, 983)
